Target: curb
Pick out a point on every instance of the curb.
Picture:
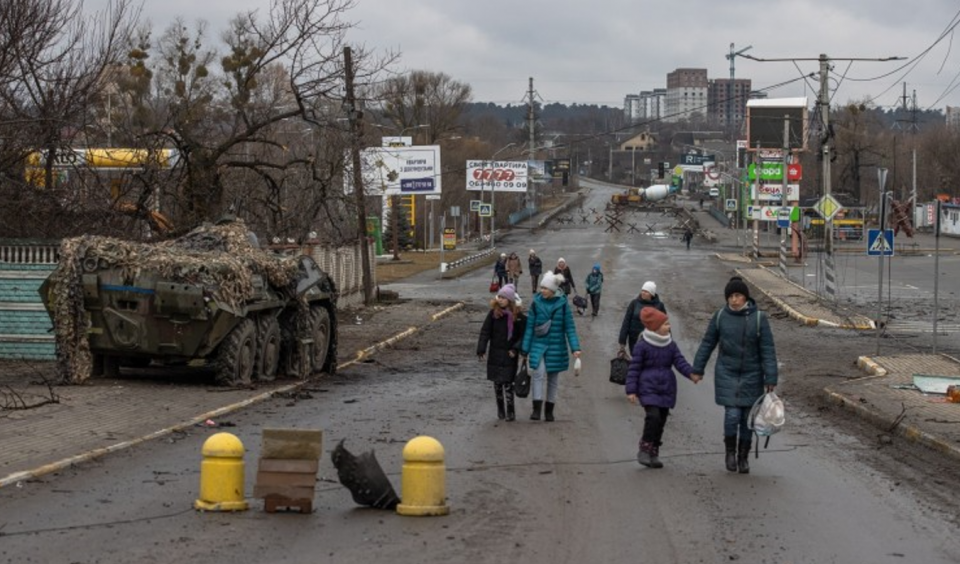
(96, 453)
(871, 366)
(908, 432)
(805, 319)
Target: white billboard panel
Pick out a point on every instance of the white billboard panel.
(774, 192)
(501, 176)
(396, 171)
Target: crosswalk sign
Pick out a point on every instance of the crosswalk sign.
(878, 245)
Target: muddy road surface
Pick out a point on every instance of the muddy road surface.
(828, 489)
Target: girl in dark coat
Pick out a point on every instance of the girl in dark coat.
(631, 327)
(502, 332)
(746, 367)
(568, 286)
(651, 382)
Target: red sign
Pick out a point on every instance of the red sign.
(794, 172)
(497, 174)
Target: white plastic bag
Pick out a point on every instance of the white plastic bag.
(576, 367)
(767, 415)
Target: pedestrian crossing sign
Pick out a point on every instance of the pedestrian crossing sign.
(880, 242)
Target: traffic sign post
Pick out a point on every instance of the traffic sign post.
(880, 242)
(783, 217)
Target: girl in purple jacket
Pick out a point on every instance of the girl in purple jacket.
(651, 382)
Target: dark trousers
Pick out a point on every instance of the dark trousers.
(595, 303)
(535, 278)
(502, 280)
(653, 424)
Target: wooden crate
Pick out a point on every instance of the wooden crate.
(287, 470)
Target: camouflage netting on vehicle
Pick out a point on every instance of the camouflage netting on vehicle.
(222, 258)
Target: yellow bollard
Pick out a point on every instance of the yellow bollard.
(423, 479)
(221, 475)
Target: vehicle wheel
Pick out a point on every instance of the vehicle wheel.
(237, 355)
(268, 349)
(320, 327)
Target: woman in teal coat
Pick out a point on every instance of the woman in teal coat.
(746, 367)
(548, 346)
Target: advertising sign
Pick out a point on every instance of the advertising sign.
(696, 160)
(449, 239)
(501, 176)
(771, 213)
(394, 171)
(767, 192)
(768, 171)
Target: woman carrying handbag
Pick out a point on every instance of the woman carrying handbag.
(501, 333)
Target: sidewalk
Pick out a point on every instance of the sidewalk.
(884, 396)
(105, 416)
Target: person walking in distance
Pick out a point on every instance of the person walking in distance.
(500, 270)
(514, 269)
(536, 269)
(501, 335)
(746, 367)
(550, 335)
(632, 326)
(687, 237)
(651, 382)
(568, 286)
(594, 285)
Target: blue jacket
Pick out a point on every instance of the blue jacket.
(594, 282)
(552, 347)
(650, 375)
(747, 360)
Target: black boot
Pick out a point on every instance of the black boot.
(535, 416)
(508, 396)
(743, 458)
(645, 454)
(498, 390)
(655, 456)
(730, 443)
(548, 412)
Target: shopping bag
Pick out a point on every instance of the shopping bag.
(521, 382)
(579, 301)
(618, 369)
(767, 415)
(576, 367)
(494, 285)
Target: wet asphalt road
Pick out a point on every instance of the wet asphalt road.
(566, 492)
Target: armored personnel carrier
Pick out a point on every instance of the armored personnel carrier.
(211, 298)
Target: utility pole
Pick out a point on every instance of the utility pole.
(731, 123)
(356, 129)
(532, 135)
(823, 102)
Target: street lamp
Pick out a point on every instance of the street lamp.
(493, 199)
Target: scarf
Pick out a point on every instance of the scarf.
(500, 312)
(656, 339)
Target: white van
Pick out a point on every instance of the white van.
(714, 192)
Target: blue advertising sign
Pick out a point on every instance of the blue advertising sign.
(408, 185)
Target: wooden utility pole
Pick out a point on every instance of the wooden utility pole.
(356, 131)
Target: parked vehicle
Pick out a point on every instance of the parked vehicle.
(210, 298)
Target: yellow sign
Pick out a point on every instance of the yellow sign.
(828, 207)
(449, 239)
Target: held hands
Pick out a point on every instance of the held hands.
(695, 378)
(632, 398)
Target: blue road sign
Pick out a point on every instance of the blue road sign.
(877, 245)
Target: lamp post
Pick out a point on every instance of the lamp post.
(493, 198)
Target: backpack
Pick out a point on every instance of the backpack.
(716, 320)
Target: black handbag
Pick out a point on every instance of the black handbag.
(521, 382)
(580, 302)
(618, 369)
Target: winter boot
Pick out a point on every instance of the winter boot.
(548, 411)
(500, 410)
(730, 443)
(654, 456)
(645, 454)
(511, 414)
(743, 458)
(535, 416)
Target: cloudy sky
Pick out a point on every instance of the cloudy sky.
(596, 52)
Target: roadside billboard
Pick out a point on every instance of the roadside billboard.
(502, 176)
(394, 171)
(767, 192)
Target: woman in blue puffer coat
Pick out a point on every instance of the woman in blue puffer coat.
(746, 367)
(548, 346)
(651, 382)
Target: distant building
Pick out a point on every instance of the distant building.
(640, 142)
(633, 109)
(686, 96)
(646, 106)
(727, 101)
(953, 117)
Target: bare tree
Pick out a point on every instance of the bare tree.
(430, 101)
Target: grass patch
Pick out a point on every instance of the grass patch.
(413, 262)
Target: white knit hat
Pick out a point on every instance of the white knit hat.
(650, 286)
(551, 281)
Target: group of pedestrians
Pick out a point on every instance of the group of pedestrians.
(545, 337)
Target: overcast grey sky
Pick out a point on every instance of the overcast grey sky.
(596, 52)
